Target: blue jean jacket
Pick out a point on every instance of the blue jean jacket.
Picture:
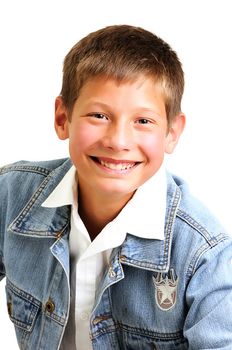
(166, 295)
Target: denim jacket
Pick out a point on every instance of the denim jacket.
(167, 295)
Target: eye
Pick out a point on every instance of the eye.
(98, 115)
(143, 121)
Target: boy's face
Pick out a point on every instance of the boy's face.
(118, 134)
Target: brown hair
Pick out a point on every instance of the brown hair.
(123, 52)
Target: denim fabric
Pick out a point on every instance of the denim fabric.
(167, 295)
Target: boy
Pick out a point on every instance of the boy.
(108, 250)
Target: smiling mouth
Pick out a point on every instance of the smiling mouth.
(118, 165)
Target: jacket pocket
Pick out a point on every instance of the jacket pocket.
(22, 307)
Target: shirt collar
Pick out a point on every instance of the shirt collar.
(143, 216)
(64, 192)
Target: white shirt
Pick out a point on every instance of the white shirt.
(143, 216)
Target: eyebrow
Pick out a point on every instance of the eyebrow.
(96, 104)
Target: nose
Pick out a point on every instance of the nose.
(118, 137)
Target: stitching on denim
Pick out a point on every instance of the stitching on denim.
(144, 264)
(156, 335)
(140, 331)
(164, 264)
(53, 287)
(193, 264)
(36, 303)
(26, 297)
(22, 294)
(27, 208)
(108, 285)
(200, 252)
(198, 227)
(24, 326)
(170, 223)
(27, 168)
(58, 319)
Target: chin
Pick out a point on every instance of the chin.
(116, 191)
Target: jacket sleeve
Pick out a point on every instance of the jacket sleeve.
(208, 323)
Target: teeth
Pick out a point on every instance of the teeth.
(118, 166)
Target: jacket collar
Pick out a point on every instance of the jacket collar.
(143, 216)
(150, 254)
(38, 221)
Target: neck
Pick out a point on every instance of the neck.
(97, 211)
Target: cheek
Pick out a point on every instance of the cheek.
(153, 146)
(81, 139)
(79, 131)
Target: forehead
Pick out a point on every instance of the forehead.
(99, 84)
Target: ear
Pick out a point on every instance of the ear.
(175, 130)
(61, 119)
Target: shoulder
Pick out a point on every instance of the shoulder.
(33, 171)
(194, 215)
(21, 179)
(22, 182)
(198, 237)
(38, 167)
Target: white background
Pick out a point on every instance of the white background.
(36, 35)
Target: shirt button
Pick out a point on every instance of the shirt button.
(84, 316)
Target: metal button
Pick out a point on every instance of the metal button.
(122, 258)
(50, 306)
(9, 308)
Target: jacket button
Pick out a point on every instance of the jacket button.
(122, 258)
(49, 306)
(9, 308)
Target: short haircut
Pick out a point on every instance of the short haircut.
(124, 52)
